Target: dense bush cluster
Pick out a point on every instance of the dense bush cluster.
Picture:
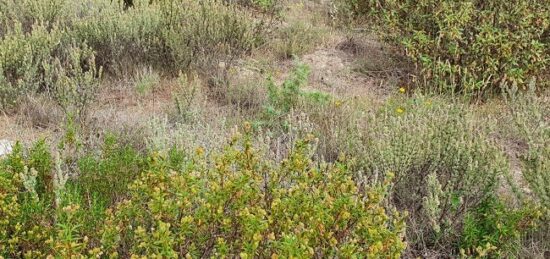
(236, 203)
(465, 46)
(177, 35)
(446, 168)
(161, 167)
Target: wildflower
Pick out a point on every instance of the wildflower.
(333, 241)
(247, 127)
(199, 151)
(402, 90)
(400, 110)
(338, 103)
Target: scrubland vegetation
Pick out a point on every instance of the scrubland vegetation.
(275, 129)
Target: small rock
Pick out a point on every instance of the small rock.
(5, 147)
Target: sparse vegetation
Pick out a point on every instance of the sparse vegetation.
(274, 129)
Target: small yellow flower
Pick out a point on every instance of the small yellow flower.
(247, 127)
(257, 237)
(402, 90)
(338, 103)
(400, 110)
(200, 151)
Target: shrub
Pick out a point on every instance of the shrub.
(530, 128)
(493, 229)
(444, 162)
(235, 207)
(296, 39)
(175, 35)
(73, 83)
(21, 59)
(282, 99)
(468, 46)
(146, 80)
(235, 203)
(108, 174)
(265, 5)
(185, 96)
(209, 35)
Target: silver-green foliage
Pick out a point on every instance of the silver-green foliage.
(531, 124)
(444, 162)
(172, 35)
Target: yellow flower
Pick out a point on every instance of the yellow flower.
(402, 90)
(338, 103)
(400, 110)
(257, 237)
(200, 151)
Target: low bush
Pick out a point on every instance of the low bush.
(146, 80)
(235, 203)
(494, 230)
(234, 208)
(296, 39)
(109, 173)
(529, 126)
(21, 58)
(468, 46)
(282, 99)
(265, 5)
(445, 165)
(172, 36)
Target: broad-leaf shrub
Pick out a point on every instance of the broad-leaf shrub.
(242, 204)
(465, 46)
(235, 203)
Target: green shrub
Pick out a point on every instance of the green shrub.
(265, 5)
(108, 174)
(531, 128)
(123, 38)
(209, 33)
(242, 206)
(74, 82)
(465, 46)
(185, 96)
(235, 203)
(495, 230)
(282, 99)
